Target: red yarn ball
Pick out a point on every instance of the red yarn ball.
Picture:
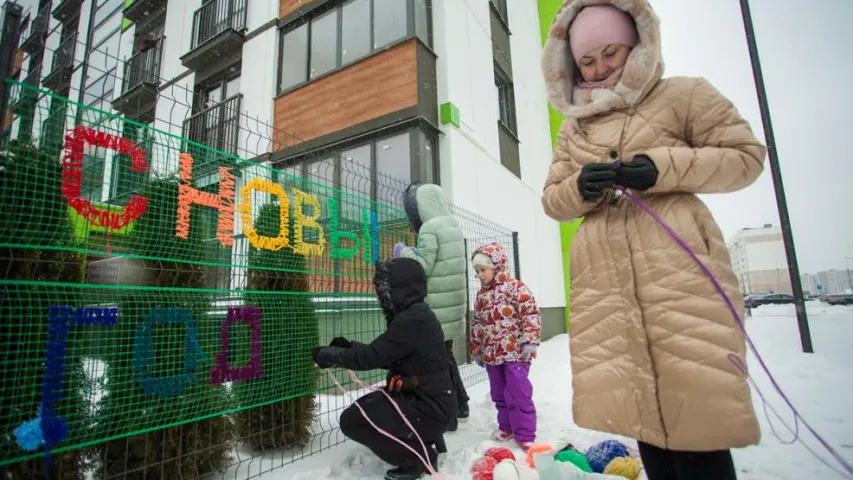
(483, 468)
(500, 454)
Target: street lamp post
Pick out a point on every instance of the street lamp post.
(781, 202)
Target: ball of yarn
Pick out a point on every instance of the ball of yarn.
(601, 454)
(505, 470)
(500, 454)
(483, 468)
(537, 449)
(624, 467)
(575, 458)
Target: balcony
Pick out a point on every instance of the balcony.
(140, 10)
(36, 32)
(28, 96)
(216, 127)
(219, 29)
(59, 77)
(140, 84)
(66, 10)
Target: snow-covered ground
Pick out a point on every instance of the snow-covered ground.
(818, 384)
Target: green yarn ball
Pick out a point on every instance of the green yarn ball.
(575, 458)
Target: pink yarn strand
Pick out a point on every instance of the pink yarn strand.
(739, 363)
(424, 460)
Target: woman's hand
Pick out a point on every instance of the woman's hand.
(317, 355)
(595, 178)
(638, 174)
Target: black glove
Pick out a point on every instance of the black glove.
(340, 342)
(595, 178)
(638, 174)
(315, 354)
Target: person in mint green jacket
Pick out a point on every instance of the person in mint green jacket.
(441, 251)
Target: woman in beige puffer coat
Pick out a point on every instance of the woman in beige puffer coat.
(650, 336)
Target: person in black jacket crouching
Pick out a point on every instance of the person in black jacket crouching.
(412, 350)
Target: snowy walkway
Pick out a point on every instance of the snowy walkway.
(818, 384)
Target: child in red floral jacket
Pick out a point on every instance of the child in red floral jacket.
(505, 336)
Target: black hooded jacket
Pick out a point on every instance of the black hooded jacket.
(411, 346)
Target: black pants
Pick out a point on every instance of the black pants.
(383, 414)
(458, 386)
(663, 464)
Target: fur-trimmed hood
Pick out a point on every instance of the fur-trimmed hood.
(643, 69)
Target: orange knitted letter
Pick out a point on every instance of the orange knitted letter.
(189, 196)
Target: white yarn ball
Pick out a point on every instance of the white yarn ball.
(506, 470)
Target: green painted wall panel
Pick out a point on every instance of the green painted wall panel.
(547, 11)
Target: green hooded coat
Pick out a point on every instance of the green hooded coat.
(441, 251)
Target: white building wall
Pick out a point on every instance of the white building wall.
(471, 171)
(258, 84)
(766, 256)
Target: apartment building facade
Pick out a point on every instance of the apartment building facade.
(759, 261)
(441, 91)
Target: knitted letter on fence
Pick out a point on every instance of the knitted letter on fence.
(303, 221)
(258, 241)
(189, 196)
(370, 226)
(223, 372)
(336, 235)
(72, 175)
(143, 350)
(48, 428)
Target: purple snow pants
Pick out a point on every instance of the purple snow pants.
(512, 393)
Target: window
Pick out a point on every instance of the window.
(343, 34)
(104, 55)
(294, 48)
(358, 169)
(355, 169)
(100, 89)
(390, 22)
(125, 181)
(506, 100)
(106, 9)
(324, 43)
(393, 158)
(356, 178)
(507, 133)
(355, 30)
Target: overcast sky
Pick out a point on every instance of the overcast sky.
(808, 72)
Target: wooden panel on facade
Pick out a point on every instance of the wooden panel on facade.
(286, 7)
(18, 63)
(384, 83)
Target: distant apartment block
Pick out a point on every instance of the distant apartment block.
(758, 260)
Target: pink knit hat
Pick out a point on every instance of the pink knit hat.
(599, 25)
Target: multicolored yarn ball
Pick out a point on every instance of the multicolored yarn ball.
(601, 454)
(483, 468)
(627, 467)
(537, 449)
(506, 470)
(575, 458)
(500, 454)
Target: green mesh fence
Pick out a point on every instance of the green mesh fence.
(153, 282)
(160, 298)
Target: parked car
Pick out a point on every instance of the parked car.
(757, 300)
(751, 300)
(845, 299)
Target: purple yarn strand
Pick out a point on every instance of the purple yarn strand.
(739, 363)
